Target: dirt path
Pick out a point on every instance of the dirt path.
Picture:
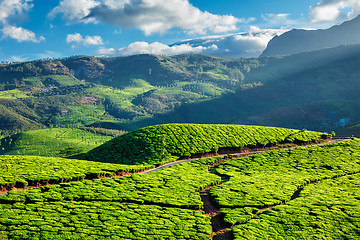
(223, 230)
(243, 153)
(61, 134)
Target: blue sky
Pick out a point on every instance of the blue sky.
(33, 29)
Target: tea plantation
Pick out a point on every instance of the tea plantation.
(24, 171)
(55, 142)
(278, 194)
(165, 143)
(312, 192)
(157, 205)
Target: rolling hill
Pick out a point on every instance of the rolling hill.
(160, 144)
(279, 193)
(55, 142)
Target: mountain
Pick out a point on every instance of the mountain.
(317, 90)
(85, 90)
(313, 90)
(299, 40)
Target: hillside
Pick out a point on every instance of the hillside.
(314, 190)
(55, 142)
(314, 90)
(83, 90)
(300, 40)
(165, 143)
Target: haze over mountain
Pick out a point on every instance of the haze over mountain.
(249, 44)
(300, 40)
(253, 43)
(312, 90)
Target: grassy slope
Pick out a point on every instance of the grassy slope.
(53, 142)
(160, 204)
(24, 171)
(110, 90)
(325, 177)
(165, 143)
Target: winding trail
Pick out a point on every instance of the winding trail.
(223, 230)
(242, 153)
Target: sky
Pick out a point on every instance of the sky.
(38, 29)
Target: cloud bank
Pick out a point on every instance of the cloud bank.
(249, 44)
(155, 48)
(150, 16)
(12, 9)
(332, 10)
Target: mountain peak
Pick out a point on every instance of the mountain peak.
(300, 40)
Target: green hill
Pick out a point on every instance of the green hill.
(55, 142)
(81, 91)
(313, 90)
(30, 171)
(165, 143)
(292, 193)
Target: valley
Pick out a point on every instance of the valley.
(114, 93)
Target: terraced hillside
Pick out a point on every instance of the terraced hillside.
(30, 171)
(164, 143)
(287, 193)
(55, 142)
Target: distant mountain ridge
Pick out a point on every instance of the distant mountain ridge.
(316, 90)
(299, 40)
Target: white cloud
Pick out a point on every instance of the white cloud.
(20, 34)
(9, 8)
(74, 10)
(13, 9)
(150, 16)
(249, 44)
(155, 48)
(77, 39)
(42, 55)
(332, 10)
(46, 54)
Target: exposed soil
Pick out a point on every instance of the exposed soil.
(219, 227)
(88, 100)
(61, 134)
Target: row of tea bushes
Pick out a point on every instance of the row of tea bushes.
(157, 205)
(293, 193)
(100, 220)
(326, 210)
(24, 171)
(166, 143)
